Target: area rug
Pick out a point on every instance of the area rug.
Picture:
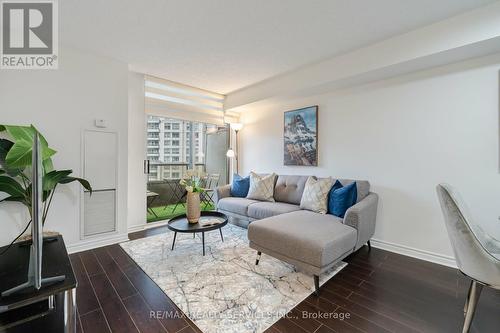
(223, 291)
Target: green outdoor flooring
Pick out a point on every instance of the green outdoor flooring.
(167, 212)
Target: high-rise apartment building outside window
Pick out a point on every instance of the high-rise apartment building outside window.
(169, 146)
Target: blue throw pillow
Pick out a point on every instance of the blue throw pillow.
(342, 198)
(240, 186)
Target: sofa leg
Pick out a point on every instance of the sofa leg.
(369, 246)
(258, 258)
(316, 285)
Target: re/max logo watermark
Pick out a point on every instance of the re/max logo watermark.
(29, 35)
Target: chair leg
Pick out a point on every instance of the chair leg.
(369, 246)
(475, 292)
(258, 258)
(316, 285)
(468, 297)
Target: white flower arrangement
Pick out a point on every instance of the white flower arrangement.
(192, 181)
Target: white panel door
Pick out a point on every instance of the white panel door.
(100, 159)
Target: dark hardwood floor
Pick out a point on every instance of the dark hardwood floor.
(378, 291)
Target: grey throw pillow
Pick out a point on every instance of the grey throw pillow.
(261, 187)
(315, 196)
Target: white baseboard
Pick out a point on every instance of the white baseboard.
(156, 224)
(94, 243)
(415, 253)
(135, 228)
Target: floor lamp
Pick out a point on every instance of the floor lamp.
(234, 153)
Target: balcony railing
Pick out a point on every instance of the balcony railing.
(161, 172)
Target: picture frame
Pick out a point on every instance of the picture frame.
(300, 137)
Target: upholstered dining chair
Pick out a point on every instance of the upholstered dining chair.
(477, 253)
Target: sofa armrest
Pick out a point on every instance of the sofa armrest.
(222, 192)
(362, 217)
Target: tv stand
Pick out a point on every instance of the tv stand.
(49, 309)
(31, 279)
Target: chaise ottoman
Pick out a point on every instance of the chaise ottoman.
(312, 242)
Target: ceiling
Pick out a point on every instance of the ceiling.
(225, 45)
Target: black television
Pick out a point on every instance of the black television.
(35, 279)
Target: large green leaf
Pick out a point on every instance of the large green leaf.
(51, 179)
(20, 132)
(19, 156)
(86, 185)
(48, 166)
(11, 187)
(25, 133)
(5, 146)
(15, 199)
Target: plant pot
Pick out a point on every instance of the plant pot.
(193, 210)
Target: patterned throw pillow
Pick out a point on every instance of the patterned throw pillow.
(261, 187)
(315, 196)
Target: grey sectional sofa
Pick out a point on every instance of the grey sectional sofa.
(311, 241)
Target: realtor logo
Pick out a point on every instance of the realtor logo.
(29, 34)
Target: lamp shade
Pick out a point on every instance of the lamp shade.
(236, 126)
(230, 153)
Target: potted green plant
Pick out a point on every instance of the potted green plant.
(192, 182)
(16, 144)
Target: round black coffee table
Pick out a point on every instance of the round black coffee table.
(181, 224)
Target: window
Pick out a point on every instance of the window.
(182, 142)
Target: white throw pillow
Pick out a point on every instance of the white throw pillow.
(315, 196)
(261, 187)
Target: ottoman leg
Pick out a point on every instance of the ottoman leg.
(258, 258)
(316, 285)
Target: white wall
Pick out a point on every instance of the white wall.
(61, 103)
(136, 216)
(404, 135)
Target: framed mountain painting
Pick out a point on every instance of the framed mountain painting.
(300, 142)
